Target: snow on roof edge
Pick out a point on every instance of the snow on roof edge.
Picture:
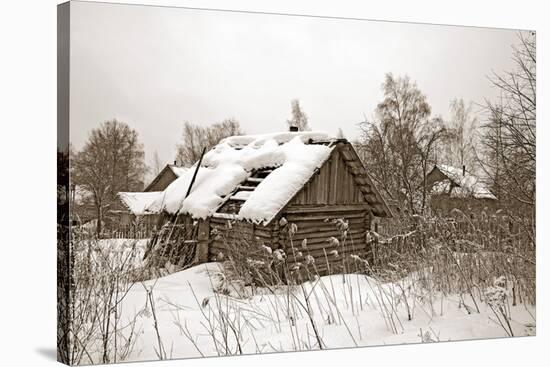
(232, 161)
(138, 202)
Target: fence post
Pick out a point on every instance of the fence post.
(202, 241)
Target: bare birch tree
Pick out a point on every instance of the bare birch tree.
(112, 160)
(460, 144)
(398, 144)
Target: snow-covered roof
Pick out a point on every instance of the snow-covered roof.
(178, 171)
(232, 162)
(466, 184)
(260, 172)
(137, 202)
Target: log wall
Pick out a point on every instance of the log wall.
(331, 193)
(221, 233)
(315, 225)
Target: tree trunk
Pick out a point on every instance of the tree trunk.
(99, 220)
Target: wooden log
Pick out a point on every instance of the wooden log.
(321, 243)
(301, 209)
(310, 227)
(254, 179)
(322, 217)
(325, 234)
(263, 231)
(327, 219)
(246, 188)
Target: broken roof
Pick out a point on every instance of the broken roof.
(466, 183)
(262, 172)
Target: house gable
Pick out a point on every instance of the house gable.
(163, 179)
(332, 184)
(341, 182)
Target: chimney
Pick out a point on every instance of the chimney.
(293, 128)
(463, 170)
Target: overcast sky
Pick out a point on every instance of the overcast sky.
(155, 68)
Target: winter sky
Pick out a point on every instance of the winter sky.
(157, 67)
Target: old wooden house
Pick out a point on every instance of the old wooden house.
(165, 177)
(132, 210)
(277, 190)
(453, 187)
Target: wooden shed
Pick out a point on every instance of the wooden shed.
(131, 214)
(135, 205)
(306, 180)
(165, 177)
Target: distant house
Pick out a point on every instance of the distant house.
(165, 177)
(134, 204)
(452, 187)
(259, 185)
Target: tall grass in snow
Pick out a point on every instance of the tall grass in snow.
(486, 261)
(481, 263)
(104, 271)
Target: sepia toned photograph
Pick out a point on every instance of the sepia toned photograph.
(233, 183)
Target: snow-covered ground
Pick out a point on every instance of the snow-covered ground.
(194, 321)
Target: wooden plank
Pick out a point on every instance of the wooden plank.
(249, 188)
(324, 226)
(236, 198)
(323, 234)
(295, 209)
(334, 177)
(324, 238)
(254, 179)
(321, 216)
(202, 241)
(225, 216)
(356, 244)
(262, 231)
(323, 229)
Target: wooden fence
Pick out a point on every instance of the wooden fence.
(141, 231)
(463, 234)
